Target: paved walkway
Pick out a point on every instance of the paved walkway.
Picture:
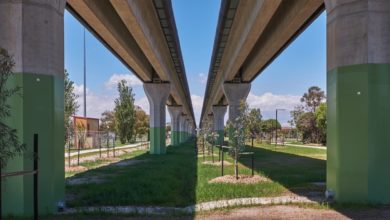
(205, 206)
(103, 149)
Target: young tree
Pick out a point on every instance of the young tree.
(313, 98)
(254, 122)
(307, 125)
(141, 127)
(70, 105)
(10, 145)
(296, 114)
(321, 122)
(239, 128)
(81, 135)
(125, 113)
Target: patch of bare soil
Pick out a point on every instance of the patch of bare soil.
(86, 180)
(96, 155)
(217, 163)
(75, 169)
(242, 179)
(129, 162)
(274, 212)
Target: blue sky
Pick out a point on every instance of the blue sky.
(300, 66)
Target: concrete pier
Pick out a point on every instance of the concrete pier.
(157, 94)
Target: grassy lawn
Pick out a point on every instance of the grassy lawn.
(180, 178)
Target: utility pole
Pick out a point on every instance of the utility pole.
(85, 81)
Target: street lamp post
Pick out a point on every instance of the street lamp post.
(276, 126)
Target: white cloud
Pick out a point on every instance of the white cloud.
(269, 102)
(202, 78)
(132, 80)
(96, 103)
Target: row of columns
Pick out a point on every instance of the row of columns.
(181, 125)
(234, 93)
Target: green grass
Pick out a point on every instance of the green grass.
(180, 178)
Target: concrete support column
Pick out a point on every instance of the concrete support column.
(175, 112)
(186, 129)
(235, 93)
(33, 34)
(219, 112)
(157, 94)
(358, 85)
(182, 128)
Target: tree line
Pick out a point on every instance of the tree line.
(308, 120)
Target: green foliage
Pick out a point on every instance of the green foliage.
(296, 114)
(239, 129)
(70, 105)
(321, 122)
(254, 122)
(313, 98)
(107, 121)
(9, 142)
(307, 125)
(269, 125)
(141, 123)
(125, 113)
(311, 124)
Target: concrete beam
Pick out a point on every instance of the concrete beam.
(102, 18)
(260, 31)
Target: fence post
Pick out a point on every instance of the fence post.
(108, 145)
(100, 146)
(78, 152)
(1, 194)
(113, 144)
(222, 161)
(36, 177)
(252, 163)
(69, 153)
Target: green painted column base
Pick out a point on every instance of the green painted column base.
(220, 138)
(175, 138)
(358, 155)
(40, 110)
(157, 141)
(182, 136)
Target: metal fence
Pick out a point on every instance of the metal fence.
(104, 142)
(33, 172)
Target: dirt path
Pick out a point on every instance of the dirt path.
(288, 212)
(96, 156)
(294, 212)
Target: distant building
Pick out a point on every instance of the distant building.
(86, 126)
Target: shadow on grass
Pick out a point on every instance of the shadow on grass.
(296, 173)
(144, 180)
